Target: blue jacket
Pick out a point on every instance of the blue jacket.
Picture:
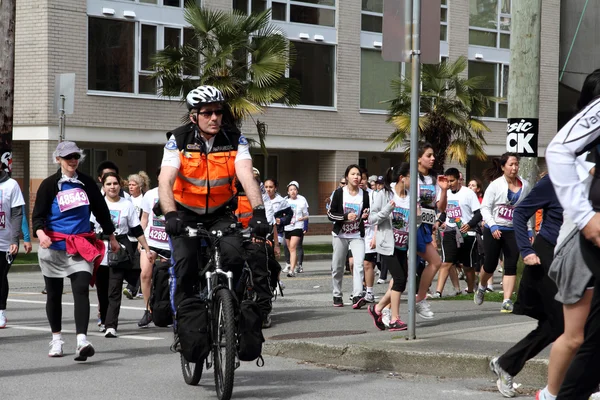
(542, 196)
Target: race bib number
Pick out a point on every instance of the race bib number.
(2, 220)
(454, 213)
(351, 228)
(72, 198)
(428, 216)
(506, 213)
(400, 239)
(158, 234)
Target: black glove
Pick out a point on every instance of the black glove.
(174, 225)
(259, 224)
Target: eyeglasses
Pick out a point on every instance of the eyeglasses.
(208, 114)
(73, 156)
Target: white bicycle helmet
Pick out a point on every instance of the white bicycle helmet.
(203, 95)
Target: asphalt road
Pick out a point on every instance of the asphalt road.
(139, 364)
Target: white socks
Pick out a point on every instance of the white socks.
(57, 336)
(81, 338)
(370, 290)
(547, 395)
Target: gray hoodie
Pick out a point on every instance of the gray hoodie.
(381, 215)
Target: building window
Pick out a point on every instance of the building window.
(250, 6)
(268, 167)
(495, 84)
(376, 76)
(489, 23)
(311, 12)
(444, 21)
(372, 17)
(93, 158)
(111, 55)
(315, 70)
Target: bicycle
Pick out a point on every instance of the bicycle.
(222, 306)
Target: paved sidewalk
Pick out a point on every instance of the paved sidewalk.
(459, 342)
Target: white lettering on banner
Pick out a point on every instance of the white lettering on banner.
(72, 198)
(428, 216)
(519, 126)
(521, 141)
(506, 212)
(158, 234)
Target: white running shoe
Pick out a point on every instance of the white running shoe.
(282, 284)
(110, 333)
(437, 295)
(369, 297)
(380, 281)
(424, 310)
(479, 296)
(56, 348)
(505, 380)
(286, 269)
(299, 269)
(84, 350)
(386, 316)
(3, 319)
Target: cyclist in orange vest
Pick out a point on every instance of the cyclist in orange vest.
(196, 184)
(244, 208)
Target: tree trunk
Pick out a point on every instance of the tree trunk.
(524, 79)
(7, 77)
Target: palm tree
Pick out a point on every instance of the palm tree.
(244, 56)
(450, 105)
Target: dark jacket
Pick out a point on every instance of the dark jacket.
(338, 216)
(48, 191)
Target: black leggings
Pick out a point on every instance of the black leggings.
(4, 267)
(507, 245)
(80, 284)
(397, 265)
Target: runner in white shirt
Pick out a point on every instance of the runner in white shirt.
(158, 241)
(11, 215)
(110, 274)
(370, 249)
(459, 237)
(295, 230)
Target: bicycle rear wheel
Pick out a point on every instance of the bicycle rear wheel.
(224, 343)
(192, 372)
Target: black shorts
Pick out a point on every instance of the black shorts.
(162, 253)
(466, 254)
(295, 232)
(371, 257)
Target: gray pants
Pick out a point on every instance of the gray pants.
(338, 264)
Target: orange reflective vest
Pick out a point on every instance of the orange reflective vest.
(244, 211)
(205, 182)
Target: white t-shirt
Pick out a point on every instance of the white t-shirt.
(155, 233)
(10, 197)
(123, 216)
(137, 203)
(354, 204)
(400, 220)
(461, 204)
(171, 153)
(300, 209)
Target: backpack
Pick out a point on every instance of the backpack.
(193, 329)
(257, 260)
(250, 337)
(160, 300)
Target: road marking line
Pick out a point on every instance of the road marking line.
(98, 334)
(71, 304)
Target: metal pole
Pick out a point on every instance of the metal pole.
(61, 119)
(414, 171)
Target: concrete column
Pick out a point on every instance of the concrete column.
(332, 166)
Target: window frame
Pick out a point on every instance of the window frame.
(498, 30)
(500, 90)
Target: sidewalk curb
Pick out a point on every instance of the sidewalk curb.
(24, 268)
(451, 365)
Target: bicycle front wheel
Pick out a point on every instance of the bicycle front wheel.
(224, 343)
(192, 372)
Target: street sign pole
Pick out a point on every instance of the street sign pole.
(414, 160)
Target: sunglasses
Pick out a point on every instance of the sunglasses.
(208, 114)
(73, 156)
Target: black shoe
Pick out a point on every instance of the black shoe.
(377, 318)
(358, 302)
(146, 319)
(267, 322)
(44, 291)
(338, 302)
